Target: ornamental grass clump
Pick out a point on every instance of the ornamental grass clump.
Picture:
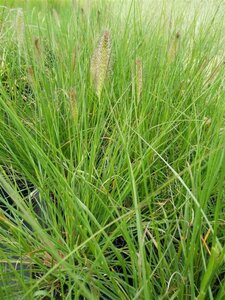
(105, 187)
(100, 62)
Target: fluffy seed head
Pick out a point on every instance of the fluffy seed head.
(20, 26)
(56, 17)
(30, 75)
(73, 103)
(38, 50)
(74, 58)
(100, 62)
(172, 53)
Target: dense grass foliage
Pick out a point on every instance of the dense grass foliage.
(112, 150)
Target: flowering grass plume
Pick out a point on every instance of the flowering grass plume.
(73, 103)
(56, 17)
(38, 50)
(172, 53)
(30, 75)
(138, 77)
(73, 60)
(100, 62)
(20, 26)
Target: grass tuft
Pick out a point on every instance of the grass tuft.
(112, 176)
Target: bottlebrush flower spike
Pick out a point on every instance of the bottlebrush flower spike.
(138, 78)
(30, 75)
(173, 49)
(100, 62)
(20, 26)
(73, 103)
(56, 17)
(38, 50)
